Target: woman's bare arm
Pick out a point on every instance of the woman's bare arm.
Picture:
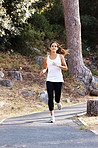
(64, 65)
(45, 67)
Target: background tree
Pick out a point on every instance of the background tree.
(73, 38)
(13, 14)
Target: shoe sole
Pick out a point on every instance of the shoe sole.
(51, 121)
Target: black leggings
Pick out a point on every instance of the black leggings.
(53, 87)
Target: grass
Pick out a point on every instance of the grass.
(94, 72)
(84, 127)
(91, 121)
(12, 60)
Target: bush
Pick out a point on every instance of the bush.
(40, 23)
(29, 39)
(89, 29)
(37, 34)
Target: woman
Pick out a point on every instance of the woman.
(55, 63)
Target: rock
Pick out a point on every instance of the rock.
(28, 93)
(6, 83)
(1, 74)
(17, 75)
(35, 49)
(82, 93)
(43, 92)
(67, 100)
(78, 87)
(12, 108)
(90, 88)
(2, 103)
(44, 83)
(94, 92)
(95, 82)
(38, 105)
(40, 60)
(44, 97)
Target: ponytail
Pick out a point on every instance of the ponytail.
(62, 51)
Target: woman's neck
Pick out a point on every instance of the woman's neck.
(53, 53)
(53, 56)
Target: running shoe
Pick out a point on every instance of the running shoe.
(59, 106)
(52, 119)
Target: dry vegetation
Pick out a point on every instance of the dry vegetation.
(92, 122)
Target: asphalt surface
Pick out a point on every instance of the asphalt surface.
(34, 131)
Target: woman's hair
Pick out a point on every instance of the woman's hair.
(60, 49)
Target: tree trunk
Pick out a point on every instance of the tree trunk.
(92, 107)
(73, 37)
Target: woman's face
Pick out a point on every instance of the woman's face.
(53, 47)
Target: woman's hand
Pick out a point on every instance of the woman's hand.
(63, 66)
(55, 64)
(42, 72)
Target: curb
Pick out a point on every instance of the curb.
(2, 120)
(93, 131)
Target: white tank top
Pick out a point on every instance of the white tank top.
(54, 72)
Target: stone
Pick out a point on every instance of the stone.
(2, 103)
(17, 75)
(95, 82)
(43, 92)
(38, 105)
(35, 49)
(78, 87)
(67, 100)
(82, 93)
(44, 83)
(6, 83)
(1, 74)
(40, 60)
(28, 93)
(44, 97)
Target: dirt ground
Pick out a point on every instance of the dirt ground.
(92, 122)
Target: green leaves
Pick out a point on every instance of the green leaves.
(13, 14)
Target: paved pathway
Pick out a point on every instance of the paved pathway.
(34, 131)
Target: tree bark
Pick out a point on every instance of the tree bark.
(92, 107)
(73, 37)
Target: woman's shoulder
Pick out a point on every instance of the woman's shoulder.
(45, 58)
(61, 56)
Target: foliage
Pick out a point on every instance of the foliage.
(89, 21)
(89, 28)
(55, 14)
(12, 17)
(89, 8)
(33, 36)
(41, 5)
(23, 29)
(28, 40)
(37, 34)
(14, 14)
(39, 22)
